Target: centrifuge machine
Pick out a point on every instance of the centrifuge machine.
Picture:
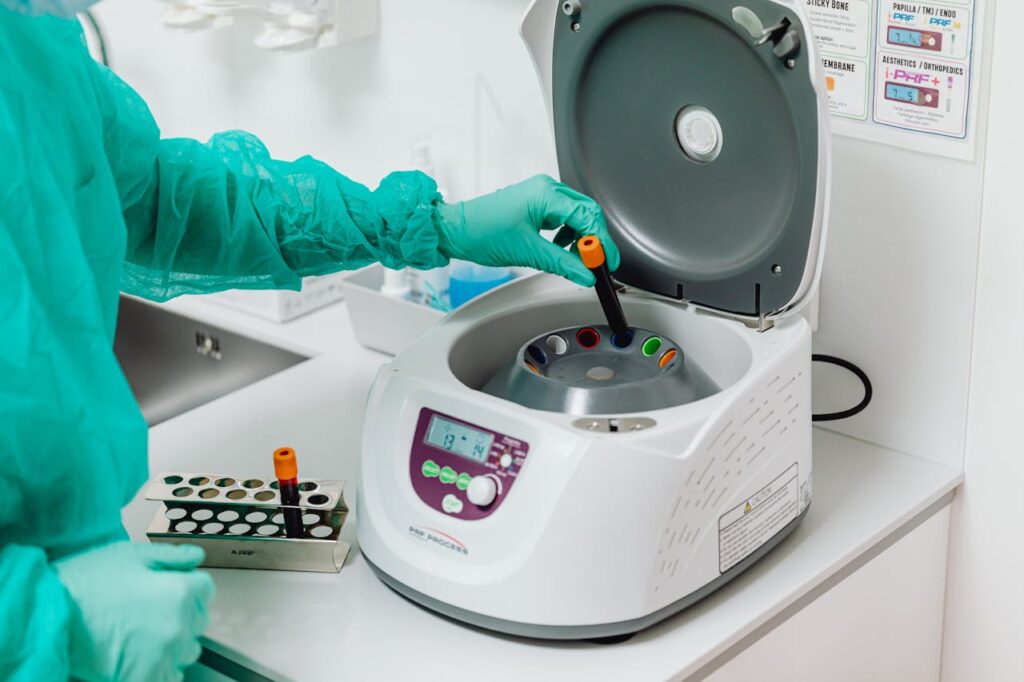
(524, 472)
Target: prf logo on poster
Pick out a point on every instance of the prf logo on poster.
(932, 21)
(911, 77)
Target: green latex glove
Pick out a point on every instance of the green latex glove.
(140, 610)
(503, 228)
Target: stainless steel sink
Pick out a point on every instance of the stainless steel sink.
(175, 363)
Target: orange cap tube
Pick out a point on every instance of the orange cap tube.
(592, 254)
(591, 251)
(285, 466)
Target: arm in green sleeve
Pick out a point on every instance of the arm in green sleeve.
(206, 217)
(34, 607)
(72, 451)
(33, 617)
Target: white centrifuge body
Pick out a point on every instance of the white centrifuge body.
(599, 533)
(569, 526)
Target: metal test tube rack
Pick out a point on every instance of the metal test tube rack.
(239, 522)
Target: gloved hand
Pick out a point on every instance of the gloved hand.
(503, 228)
(140, 610)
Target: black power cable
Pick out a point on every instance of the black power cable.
(856, 371)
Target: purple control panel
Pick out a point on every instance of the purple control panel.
(448, 453)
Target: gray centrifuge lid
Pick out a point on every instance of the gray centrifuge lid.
(701, 144)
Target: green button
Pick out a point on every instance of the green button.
(463, 481)
(430, 468)
(448, 475)
(451, 504)
(651, 346)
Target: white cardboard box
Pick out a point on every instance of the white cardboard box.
(282, 306)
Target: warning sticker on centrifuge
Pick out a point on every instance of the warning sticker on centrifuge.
(750, 524)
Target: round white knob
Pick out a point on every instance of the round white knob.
(482, 490)
(699, 134)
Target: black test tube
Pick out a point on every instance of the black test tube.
(287, 471)
(592, 254)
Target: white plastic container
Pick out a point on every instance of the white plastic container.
(383, 323)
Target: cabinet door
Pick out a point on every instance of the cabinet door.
(883, 623)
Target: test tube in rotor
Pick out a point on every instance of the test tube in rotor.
(592, 255)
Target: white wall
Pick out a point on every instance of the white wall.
(898, 291)
(984, 637)
(897, 295)
(360, 106)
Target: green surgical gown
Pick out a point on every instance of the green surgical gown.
(93, 201)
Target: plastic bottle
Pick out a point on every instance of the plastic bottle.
(396, 284)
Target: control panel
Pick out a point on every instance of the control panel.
(461, 469)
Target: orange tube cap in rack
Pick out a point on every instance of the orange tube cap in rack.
(591, 251)
(285, 466)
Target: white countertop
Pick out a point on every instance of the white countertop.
(349, 625)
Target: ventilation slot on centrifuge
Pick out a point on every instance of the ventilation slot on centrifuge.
(736, 448)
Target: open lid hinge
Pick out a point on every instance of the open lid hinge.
(762, 322)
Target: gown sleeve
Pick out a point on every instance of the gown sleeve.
(226, 215)
(34, 612)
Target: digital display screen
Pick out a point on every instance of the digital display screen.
(459, 439)
(902, 93)
(898, 36)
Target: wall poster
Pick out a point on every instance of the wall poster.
(902, 73)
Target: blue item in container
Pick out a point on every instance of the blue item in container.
(469, 281)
